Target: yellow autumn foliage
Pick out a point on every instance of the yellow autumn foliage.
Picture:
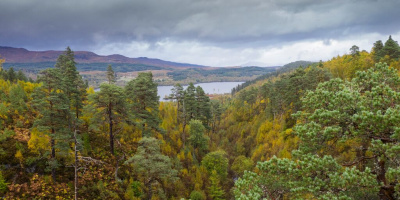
(38, 142)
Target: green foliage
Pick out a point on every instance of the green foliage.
(356, 107)
(198, 139)
(216, 161)
(178, 94)
(391, 49)
(215, 191)
(345, 135)
(53, 107)
(190, 102)
(377, 51)
(11, 75)
(355, 50)
(338, 126)
(3, 184)
(63, 59)
(3, 137)
(216, 112)
(110, 75)
(197, 195)
(143, 100)
(242, 164)
(136, 187)
(309, 177)
(196, 104)
(151, 165)
(109, 104)
(203, 112)
(273, 73)
(219, 72)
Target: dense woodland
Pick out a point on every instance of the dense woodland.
(329, 130)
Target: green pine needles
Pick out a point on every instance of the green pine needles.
(349, 144)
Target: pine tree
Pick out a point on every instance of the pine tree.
(110, 75)
(74, 86)
(75, 90)
(349, 140)
(11, 76)
(18, 102)
(203, 111)
(178, 95)
(110, 103)
(216, 112)
(53, 107)
(190, 104)
(21, 76)
(63, 59)
(143, 100)
(1, 63)
(215, 191)
(198, 139)
(151, 165)
(377, 51)
(355, 50)
(391, 49)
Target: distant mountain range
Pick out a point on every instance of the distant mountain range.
(21, 55)
(92, 67)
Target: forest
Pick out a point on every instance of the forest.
(327, 130)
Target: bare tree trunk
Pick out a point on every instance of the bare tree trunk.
(117, 167)
(184, 125)
(52, 146)
(53, 155)
(386, 191)
(76, 167)
(149, 189)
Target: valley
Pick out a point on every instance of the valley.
(92, 67)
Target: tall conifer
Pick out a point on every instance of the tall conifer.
(144, 101)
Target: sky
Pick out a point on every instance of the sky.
(206, 32)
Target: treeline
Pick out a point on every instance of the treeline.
(346, 66)
(12, 76)
(281, 70)
(219, 72)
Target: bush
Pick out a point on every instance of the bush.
(196, 195)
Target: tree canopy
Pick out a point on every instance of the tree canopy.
(341, 140)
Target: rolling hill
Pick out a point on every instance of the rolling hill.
(21, 55)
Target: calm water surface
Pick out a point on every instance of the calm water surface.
(209, 88)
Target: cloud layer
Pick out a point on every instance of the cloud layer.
(210, 32)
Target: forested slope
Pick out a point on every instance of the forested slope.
(345, 133)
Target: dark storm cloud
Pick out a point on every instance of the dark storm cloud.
(56, 24)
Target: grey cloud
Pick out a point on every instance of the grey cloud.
(56, 24)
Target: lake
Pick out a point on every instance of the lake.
(209, 88)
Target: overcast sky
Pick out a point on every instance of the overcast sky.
(207, 32)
